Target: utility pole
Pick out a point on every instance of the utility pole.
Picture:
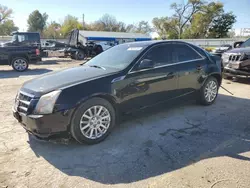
(83, 22)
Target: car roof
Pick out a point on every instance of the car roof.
(150, 43)
(17, 32)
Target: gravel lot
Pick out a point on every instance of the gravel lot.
(173, 145)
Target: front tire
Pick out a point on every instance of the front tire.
(93, 121)
(20, 64)
(209, 91)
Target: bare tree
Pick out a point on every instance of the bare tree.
(5, 13)
(184, 13)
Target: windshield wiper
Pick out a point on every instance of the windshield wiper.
(96, 66)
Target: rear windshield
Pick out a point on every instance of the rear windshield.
(246, 44)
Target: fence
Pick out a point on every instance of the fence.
(199, 42)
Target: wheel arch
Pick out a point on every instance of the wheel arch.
(111, 99)
(14, 56)
(217, 76)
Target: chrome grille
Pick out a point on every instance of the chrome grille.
(234, 57)
(23, 100)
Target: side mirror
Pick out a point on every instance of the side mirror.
(146, 64)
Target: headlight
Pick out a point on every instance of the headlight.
(225, 57)
(234, 65)
(47, 102)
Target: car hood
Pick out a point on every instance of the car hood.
(64, 78)
(240, 50)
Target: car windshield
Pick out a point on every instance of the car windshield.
(117, 57)
(246, 44)
(14, 38)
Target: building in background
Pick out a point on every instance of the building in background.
(116, 37)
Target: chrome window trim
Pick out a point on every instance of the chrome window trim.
(177, 63)
(202, 56)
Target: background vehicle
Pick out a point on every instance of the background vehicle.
(236, 62)
(220, 50)
(53, 48)
(122, 79)
(23, 49)
(53, 45)
(76, 49)
(24, 39)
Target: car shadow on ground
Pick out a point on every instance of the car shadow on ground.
(239, 80)
(30, 72)
(157, 141)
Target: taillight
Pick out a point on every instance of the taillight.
(37, 52)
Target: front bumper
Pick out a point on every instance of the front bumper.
(44, 126)
(235, 73)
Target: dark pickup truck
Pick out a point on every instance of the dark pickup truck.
(22, 50)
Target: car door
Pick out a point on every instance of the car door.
(145, 87)
(4, 55)
(191, 66)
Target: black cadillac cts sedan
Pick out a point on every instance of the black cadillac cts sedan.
(86, 100)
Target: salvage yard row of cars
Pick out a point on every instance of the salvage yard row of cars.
(25, 48)
(123, 79)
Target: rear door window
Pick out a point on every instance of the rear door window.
(160, 55)
(33, 36)
(182, 53)
(246, 43)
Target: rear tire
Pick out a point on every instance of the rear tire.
(20, 64)
(209, 91)
(79, 55)
(93, 121)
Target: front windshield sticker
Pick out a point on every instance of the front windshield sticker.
(134, 49)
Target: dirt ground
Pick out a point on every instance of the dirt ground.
(172, 145)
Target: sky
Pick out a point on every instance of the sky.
(128, 11)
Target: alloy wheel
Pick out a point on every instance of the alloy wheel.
(211, 90)
(95, 122)
(20, 64)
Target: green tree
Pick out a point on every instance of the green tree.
(70, 23)
(37, 21)
(166, 27)
(7, 25)
(53, 30)
(174, 26)
(107, 23)
(202, 20)
(221, 25)
(195, 19)
(141, 27)
(184, 13)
